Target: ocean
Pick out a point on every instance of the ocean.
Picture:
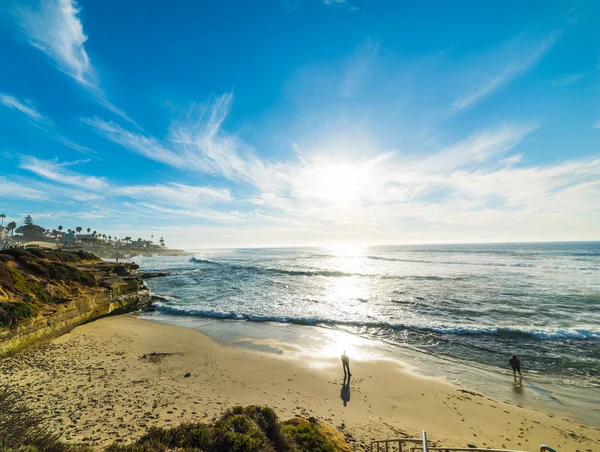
(470, 304)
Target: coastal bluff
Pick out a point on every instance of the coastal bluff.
(44, 294)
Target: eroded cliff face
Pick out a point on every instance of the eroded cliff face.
(45, 294)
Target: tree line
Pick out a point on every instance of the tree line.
(30, 232)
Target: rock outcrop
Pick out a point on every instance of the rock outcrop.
(44, 294)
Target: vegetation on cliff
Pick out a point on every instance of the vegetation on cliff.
(240, 429)
(31, 279)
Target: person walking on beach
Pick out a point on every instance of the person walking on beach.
(516, 366)
(346, 365)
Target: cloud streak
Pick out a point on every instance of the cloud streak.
(57, 172)
(196, 142)
(54, 28)
(40, 121)
(176, 194)
(520, 57)
(26, 107)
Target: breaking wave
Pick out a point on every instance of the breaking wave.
(550, 334)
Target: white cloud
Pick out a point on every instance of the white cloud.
(203, 214)
(292, 5)
(568, 79)
(342, 4)
(513, 159)
(13, 190)
(465, 188)
(358, 68)
(516, 58)
(196, 142)
(25, 107)
(176, 194)
(56, 172)
(55, 28)
(147, 146)
(477, 148)
(40, 121)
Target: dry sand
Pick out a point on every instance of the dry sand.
(95, 386)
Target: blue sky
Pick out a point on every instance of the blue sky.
(303, 122)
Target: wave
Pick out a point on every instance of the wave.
(330, 273)
(553, 334)
(327, 273)
(203, 261)
(482, 264)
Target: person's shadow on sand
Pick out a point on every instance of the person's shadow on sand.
(345, 394)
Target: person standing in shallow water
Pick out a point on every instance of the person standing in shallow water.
(516, 366)
(346, 365)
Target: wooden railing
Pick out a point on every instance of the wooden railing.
(393, 445)
(420, 445)
(462, 449)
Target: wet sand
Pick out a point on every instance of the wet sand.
(96, 386)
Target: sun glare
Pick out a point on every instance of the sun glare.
(342, 184)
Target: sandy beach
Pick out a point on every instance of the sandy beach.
(100, 384)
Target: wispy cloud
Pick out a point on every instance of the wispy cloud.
(25, 107)
(14, 190)
(58, 172)
(176, 194)
(292, 5)
(151, 209)
(345, 4)
(41, 121)
(518, 57)
(147, 146)
(477, 148)
(54, 27)
(596, 124)
(196, 142)
(357, 70)
(568, 79)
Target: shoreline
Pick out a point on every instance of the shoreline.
(539, 391)
(97, 388)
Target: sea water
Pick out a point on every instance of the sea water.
(474, 304)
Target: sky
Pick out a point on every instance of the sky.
(250, 123)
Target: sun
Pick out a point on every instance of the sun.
(341, 184)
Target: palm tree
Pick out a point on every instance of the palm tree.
(2, 217)
(78, 229)
(162, 242)
(11, 227)
(88, 230)
(94, 233)
(60, 228)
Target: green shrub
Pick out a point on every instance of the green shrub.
(240, 429)
(15, 281)
(185, 435)
(12, 312)
(39, 253)
(307, 436)
(239, 433)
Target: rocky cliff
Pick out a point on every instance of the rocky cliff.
(44, 294)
